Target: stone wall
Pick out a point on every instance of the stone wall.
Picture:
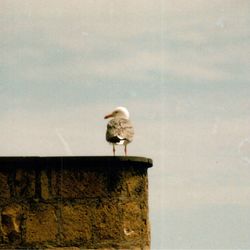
(74, 203)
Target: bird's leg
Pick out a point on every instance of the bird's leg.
(113, 149)
(125, 150)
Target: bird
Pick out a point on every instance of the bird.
(119, 129)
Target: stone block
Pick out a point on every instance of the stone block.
(135, 222)
(25, 182)
(117, 184)
(107, 221)
(11, 222)
(125, 183)
(136, 183)
(4, 187)
(41, 224)
(86, 184)
(76, 222)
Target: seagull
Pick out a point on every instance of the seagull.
(119, 129)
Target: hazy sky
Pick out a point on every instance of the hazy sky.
(182, 68)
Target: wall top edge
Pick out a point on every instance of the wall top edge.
(81, 161)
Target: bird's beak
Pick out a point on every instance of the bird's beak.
(108, 116)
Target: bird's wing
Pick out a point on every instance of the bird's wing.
(119, 129)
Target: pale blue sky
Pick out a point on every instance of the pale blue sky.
(182, 70)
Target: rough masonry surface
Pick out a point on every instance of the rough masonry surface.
(74, 203)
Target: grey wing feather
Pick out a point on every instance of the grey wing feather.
(121, 128)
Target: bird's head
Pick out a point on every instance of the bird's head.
(119, 112)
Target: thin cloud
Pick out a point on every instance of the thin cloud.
(181, 68)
